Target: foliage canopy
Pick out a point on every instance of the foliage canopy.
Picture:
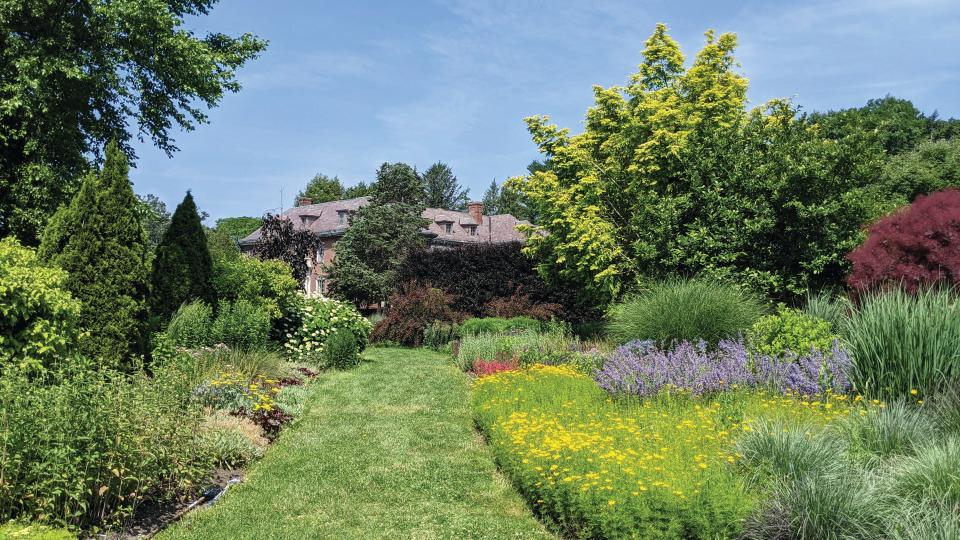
(673, 176)
(77, 75)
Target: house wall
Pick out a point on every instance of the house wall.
(316, 278)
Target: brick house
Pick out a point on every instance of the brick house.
(330, 220)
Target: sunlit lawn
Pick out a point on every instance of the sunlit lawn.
(386, 450)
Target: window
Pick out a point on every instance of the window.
(448, 228)
(320, 252)
(473, 230)
(342, 216)
(321, 285)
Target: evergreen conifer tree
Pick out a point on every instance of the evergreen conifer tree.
(99, 241)
(442, 188)
(182, 268)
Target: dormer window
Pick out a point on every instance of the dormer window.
(307, 220)
(448, 228)
(342, 217)
(472, 230)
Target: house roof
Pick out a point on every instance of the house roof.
(324, 220)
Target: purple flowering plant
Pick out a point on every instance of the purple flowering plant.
(642, 369)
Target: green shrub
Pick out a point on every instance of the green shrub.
(318, 319)
(340, 350)
(99, 241)
(497, 325)
(190, 326)
(89, 444)
(677, 310)
(181, 270)
(268, 284)
(38, 317)
(241, 325)
(790, 330)
(438, 335)
(901, 342)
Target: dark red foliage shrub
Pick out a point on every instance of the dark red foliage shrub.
(477, 274)
(270, 421)
(307, 372)
(520, 305)
(289, 381)
(489, 367)
(412, 308)
(917, 246)
(281, 240)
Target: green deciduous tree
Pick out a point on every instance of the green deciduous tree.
(673, 175)
(361, 189)
(321, 188)
(238, 227)
(78, 74)
(398, 183)
(182, 264)
(931, 166)
(370, 252)
(155, 219)
(99, 241)
(442, 188)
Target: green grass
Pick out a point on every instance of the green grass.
(386, 450)
(902, 342)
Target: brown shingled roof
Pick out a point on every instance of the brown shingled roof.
(324, 219)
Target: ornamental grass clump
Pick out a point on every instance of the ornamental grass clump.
(691, 310)
(901, 342)
(528, 347)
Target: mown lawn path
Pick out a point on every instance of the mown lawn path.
(386, 450)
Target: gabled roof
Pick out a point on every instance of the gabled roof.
(324, 219)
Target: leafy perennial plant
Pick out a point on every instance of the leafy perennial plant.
(641, 369)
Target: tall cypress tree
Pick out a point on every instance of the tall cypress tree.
(182, 267)
(98, 239)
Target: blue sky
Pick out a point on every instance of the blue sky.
(345, 86)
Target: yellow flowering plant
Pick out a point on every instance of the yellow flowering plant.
(659, 467)
(234, 391)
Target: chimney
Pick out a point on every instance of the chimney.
(475, 209)
(304, 201)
